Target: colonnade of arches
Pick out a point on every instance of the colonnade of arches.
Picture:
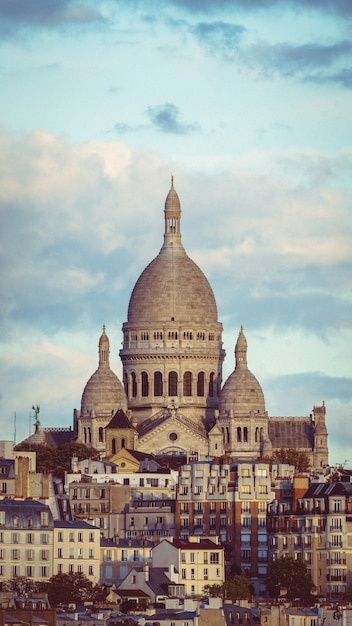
(143, 385)
(242, 434)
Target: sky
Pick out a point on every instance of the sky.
(248, 104)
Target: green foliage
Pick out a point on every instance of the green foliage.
(214, 591)
(20, 585)
(69, 588)
(292, 456)
(287, 573)
(235, 588)
(58, 460)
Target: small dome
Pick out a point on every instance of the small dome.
(103, 393)
(242, 393)
(172, 287)
(172, 202)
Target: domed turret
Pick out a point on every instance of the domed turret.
(103, 393)
(242, 393)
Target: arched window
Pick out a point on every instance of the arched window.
(126, 384)
(145, 385)
(123, 443)
(89, 435)
(218, 386)
(211, 385)
(227, 435)
(134, 385)
(239, 433)
(101, 434)
(262, 434)
(158, 384)
(245, 434)
(172, 384)
(85, 435)
(187, 384)
(200, 384)
(113, 446)
(257, 434)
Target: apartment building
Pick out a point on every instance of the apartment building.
(76, 548)
(229, 500)
(198, 561)
(26, 540)
(316, 527)
(119, 556)
(128, 504)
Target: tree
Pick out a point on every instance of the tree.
(69, 588)
(20, 584)
(292, 456)
(235, 588)
(58, 460)
(287, 573)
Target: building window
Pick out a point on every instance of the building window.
(145, 385)
(158, 384)
(211, 385)
(214, 557)
(200, 384)
(134, 385)
(187, 384)
(90, 570)
(172, 384)
(44, 518)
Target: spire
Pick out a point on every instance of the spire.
(241, 349)
(172, 214)
(104, 349)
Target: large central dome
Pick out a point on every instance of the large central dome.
(172, 286)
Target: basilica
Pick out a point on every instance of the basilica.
(172, 400)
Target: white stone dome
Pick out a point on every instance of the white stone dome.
(242, 393)
(172, 287)
(103, 393)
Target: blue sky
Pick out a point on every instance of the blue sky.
(248, 104)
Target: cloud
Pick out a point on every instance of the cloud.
(342, 8)
(17, 15)
(296, 60)
(220, 37)
(343, 78)
(165, 117)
